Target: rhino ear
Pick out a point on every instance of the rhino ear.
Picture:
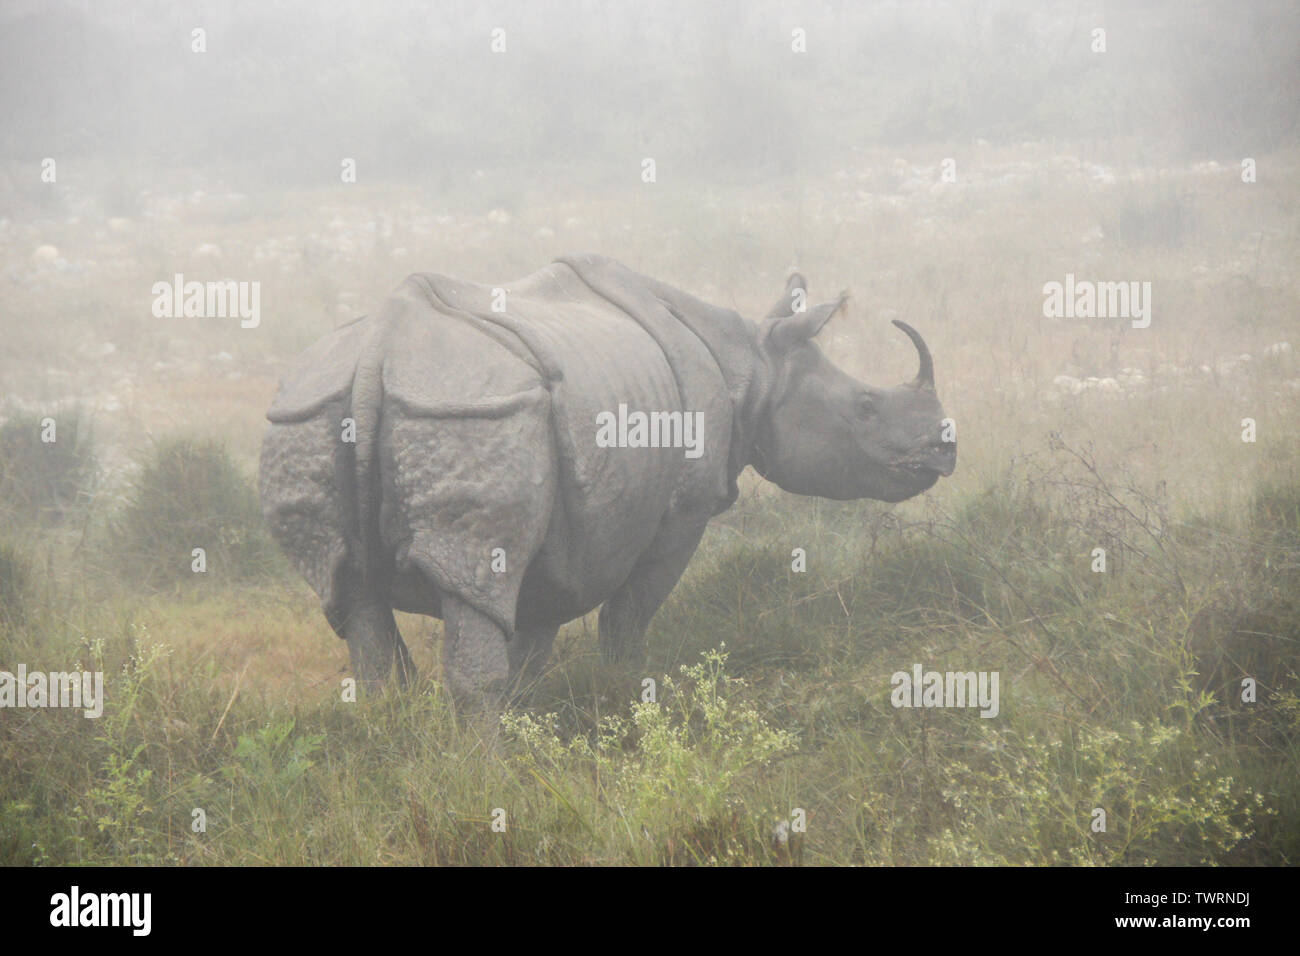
(785, 305)
(784, 332)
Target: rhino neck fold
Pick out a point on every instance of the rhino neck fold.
(731, 341)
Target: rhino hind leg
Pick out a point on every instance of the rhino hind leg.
(307, 486)
(374, 642)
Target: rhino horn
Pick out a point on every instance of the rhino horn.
(925, 376)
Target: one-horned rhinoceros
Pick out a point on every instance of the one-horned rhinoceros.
(508, 459)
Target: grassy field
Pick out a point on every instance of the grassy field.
(1120, 691)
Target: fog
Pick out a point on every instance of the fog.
(1086, 213)
(581, 91)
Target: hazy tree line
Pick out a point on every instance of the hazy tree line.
(712, 88)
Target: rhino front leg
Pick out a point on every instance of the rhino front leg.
(373, 642)
(625, 616)
(476, 664)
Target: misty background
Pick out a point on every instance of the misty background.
(944, 162)
(585, 89)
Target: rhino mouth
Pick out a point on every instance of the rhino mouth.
(930, 471)
(931, 463)
(920, 477)
(925, 472)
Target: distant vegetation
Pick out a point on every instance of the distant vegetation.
(47, 465)
(190, 494)
(1121, 690)
(416, 94)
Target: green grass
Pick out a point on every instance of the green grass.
(1119, 692)
(191, 495)
(47, 465)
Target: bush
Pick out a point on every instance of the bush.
(43, 480)
(669, 769)
(1275, 509)
(190, 494)
(15, 578)
(1152, 217)
(1033, 799)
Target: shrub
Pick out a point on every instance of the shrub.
(1033, 800)
(15, 578)
(190, 494)
(43, 480)
(1152, 217)
(671, 767)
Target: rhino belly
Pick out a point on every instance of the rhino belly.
(610, 500)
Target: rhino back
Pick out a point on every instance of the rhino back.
(610, 503)
(476, 430)
(322, 373)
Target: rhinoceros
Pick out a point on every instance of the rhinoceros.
(508, 459)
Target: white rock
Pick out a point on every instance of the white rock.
(45, 253)
(499, 216)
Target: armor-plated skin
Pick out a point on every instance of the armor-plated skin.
(475, 489)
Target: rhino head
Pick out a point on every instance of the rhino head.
(822, 432)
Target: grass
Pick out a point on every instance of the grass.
(1121, 691)
(47, 465)
(190, 512)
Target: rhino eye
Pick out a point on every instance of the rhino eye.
(864, 406)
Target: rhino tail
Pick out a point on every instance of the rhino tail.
(367, 407)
